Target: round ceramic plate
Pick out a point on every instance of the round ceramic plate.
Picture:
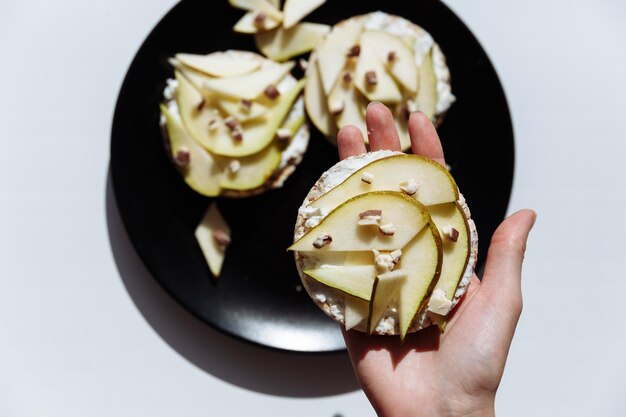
(258, 297)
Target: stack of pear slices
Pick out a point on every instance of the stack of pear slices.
(234, 122)
(384, 243)
(376, 57)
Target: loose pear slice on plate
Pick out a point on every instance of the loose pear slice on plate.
(373, 80)
(340, 231)
(356, 281)
(316, 103)
(213, 236)
(248, 23)
(199, 168)
(356, 311)
(295, 10)
(386, 287)
(331, 54)
(264, 6)
(281, 44)
(219, 64)
(434, 183)
(426, 99)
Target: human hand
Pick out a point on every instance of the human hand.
(458, 372)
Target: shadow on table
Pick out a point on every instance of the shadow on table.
(231, 360)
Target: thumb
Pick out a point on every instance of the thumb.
(501, 282)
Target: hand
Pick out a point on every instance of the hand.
(456, 373)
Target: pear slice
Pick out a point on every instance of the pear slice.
(455, 253)
(264, 6)
(281, 44)
(402, 67)
(249, 86)
(203, 171)
(422, 259)
(426, 98)
(354, 280)
(347, 98)
(355, 311)
(385, 89)
(385, 288)
(406, 214)
(239, 111)
(402, 125)
(331, 54)
(315, 101)
(248, 25)
(295, 10)
(219, 64)
(436, 185)
(253, 170)
(207, 234)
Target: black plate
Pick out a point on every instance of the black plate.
(256, 298)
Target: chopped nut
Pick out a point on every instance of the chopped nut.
(237, 134)
(272, 92)
(367, 178)
(391, 56)
(259, 20)
(395, 255)
(222, 239)
(183, 157)
(201, 103)
(246, 105)
(387, 229)
(232, 123)
(354, 51)
(337, 107)
(409, 187)
(347, 77)
(303, 63)
(383, 261)
(370, 213)
(449, 167)
(234, 166)
(370, 218)
(371, 78)
(322, 241)
(213, 124)
(283, 135)
(450, 232)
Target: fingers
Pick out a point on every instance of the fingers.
(424, 138)
(350, 142)
(503, 272)
(381, 129)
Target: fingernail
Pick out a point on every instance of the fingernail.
(373, 103)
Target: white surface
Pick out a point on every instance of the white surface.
(74, 343)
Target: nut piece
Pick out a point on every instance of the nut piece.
(371, 213)
(371, 78)
(347, 77)
(409, 187)
(354, 51)
(271, 92)
(336, 107)
(246, 105)
(411, 106)
(383, 261)
(391, 56)
(367, 177)
(303, 64)
(234, 166)
(183, 157)
(387, 229)
(395, 255)
(322, 241)
(213, 124)
(450, 232)
(236, 132)
(222, 239)
(370, 218)
(259, 20)
(283, 135)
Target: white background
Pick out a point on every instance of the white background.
(77, 340)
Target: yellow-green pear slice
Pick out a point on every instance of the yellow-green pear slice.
(331, 54)
(237, 109)
(254, 170)
(264, 6)
(354, 280)
(295, 10)
(356, 311)
(203, 172)
(422, 259)
(406, 214)
(402, 67)
(402, 125)
(385, 90)
(426, 99)
(281, 44)
(455, 254)
(219, 64)
(385, 288)
(212, 222)
(249, 86)
(248, 25)
(345, 96)
(436, 185)
(315, 101)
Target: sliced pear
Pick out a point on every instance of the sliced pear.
(203, 172)
(196, 78)
(345, 96)
(211, 224)
(237, 109)
(355, 311)
(295, 10)
(249, 86)
(436, 185)
(385, 288)
(422, 259)
(331, 54)
(220, 64)
(403, 67)
(315, 101)
(455, 254)
(385, 90)
(406, 214)
(427, 95)
(264, 6)
(247, 23)
(254, 170)
(281, 44)
(354, 280)
(402, 125)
